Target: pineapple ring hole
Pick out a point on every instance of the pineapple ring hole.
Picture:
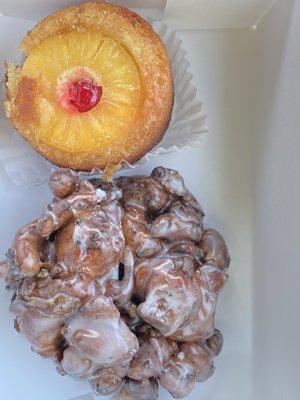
(78, 90)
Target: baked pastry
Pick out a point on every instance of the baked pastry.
(95, 88)
(118, 284)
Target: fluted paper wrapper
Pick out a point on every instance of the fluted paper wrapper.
(187, 126)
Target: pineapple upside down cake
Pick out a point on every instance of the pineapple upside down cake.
(95, 88)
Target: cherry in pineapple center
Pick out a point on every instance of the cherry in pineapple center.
(78, 91)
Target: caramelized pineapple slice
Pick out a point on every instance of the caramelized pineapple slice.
(77, 56)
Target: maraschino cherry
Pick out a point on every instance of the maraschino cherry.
(83, 95)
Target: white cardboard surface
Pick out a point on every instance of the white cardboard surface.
(246, 176)
(212, 14)
(276, 212)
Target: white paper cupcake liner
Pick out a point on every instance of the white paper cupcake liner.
(187, 126)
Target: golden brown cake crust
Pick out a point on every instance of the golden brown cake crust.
(146, 48)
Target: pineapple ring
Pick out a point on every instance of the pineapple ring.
(113, 60)
(117, 74)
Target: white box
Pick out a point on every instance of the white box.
(246, 176)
